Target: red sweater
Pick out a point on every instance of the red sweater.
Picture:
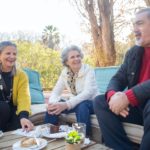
(144, 75)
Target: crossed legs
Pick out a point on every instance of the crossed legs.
(111, 125)
(82, 111)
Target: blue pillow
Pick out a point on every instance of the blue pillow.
(103, 76)
(36, 91)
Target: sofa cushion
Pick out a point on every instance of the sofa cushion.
(35, 86)
(103, 76)
(134, 132)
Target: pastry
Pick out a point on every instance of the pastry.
(28, 142)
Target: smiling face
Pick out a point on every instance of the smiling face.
(8, 58)
(142, 29)
(74, 61)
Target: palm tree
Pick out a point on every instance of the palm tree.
(51, 37)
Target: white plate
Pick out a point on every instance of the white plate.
(45, 133)
(43, 143)
(1, 133)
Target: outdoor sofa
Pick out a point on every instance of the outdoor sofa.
(103, 75)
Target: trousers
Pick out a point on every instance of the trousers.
(8, 118)
(82, 111)
(111, 125)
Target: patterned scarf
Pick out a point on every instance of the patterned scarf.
(71, 79)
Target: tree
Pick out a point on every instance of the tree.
(100, 16)
(51, 37)
(147, 2)
(47, 62)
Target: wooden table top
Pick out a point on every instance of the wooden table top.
(9, 139)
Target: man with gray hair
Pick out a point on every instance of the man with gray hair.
(132, 105)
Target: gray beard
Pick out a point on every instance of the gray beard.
(138, 42)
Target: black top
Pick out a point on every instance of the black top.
(6, 93)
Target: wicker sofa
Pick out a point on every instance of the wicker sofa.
(103, 75)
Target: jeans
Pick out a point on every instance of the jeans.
(82, 111)
(111, 125)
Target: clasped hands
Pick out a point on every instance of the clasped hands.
(56, 108)
(118, 104)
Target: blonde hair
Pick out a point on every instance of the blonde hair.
(3, 45)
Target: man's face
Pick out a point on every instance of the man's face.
(141, 27)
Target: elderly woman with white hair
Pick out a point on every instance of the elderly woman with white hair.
(79, 80)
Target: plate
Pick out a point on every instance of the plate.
(43, 143)
(1, 133)
(46, 134)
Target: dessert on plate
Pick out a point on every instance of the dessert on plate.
(28, 142)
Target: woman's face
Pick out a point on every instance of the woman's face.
(74, 60)
(8, 58)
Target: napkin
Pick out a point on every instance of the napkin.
(86, 141)
(34, 133)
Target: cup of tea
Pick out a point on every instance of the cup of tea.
(81, 128)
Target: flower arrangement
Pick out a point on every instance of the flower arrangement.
(73, 137)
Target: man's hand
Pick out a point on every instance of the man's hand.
(56, 108)
(26, 124)
(118, 103)
(124, 113)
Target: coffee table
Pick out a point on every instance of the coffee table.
(9, 139)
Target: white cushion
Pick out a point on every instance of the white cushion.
(38, 108)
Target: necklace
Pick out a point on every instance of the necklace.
(6, 92)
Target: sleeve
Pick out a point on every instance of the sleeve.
(23, 114)
(109, 94)
(131, 97)
(59, 87)
(23, 94)
(88, 90)
(142, 91)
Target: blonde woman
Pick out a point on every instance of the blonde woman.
(14, 91)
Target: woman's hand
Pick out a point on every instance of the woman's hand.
(57, 108)
(26, 124)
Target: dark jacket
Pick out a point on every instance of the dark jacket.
(128, 75)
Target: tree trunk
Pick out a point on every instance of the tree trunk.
(147, 2)
(102, 31)
(106, 9)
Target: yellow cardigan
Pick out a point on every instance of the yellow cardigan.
(21, 93)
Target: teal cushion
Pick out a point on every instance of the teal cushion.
(36, 91)
(103, 76)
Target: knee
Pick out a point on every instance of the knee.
(53, 119)
(99, 101)
(146, 112)
(82, 106)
